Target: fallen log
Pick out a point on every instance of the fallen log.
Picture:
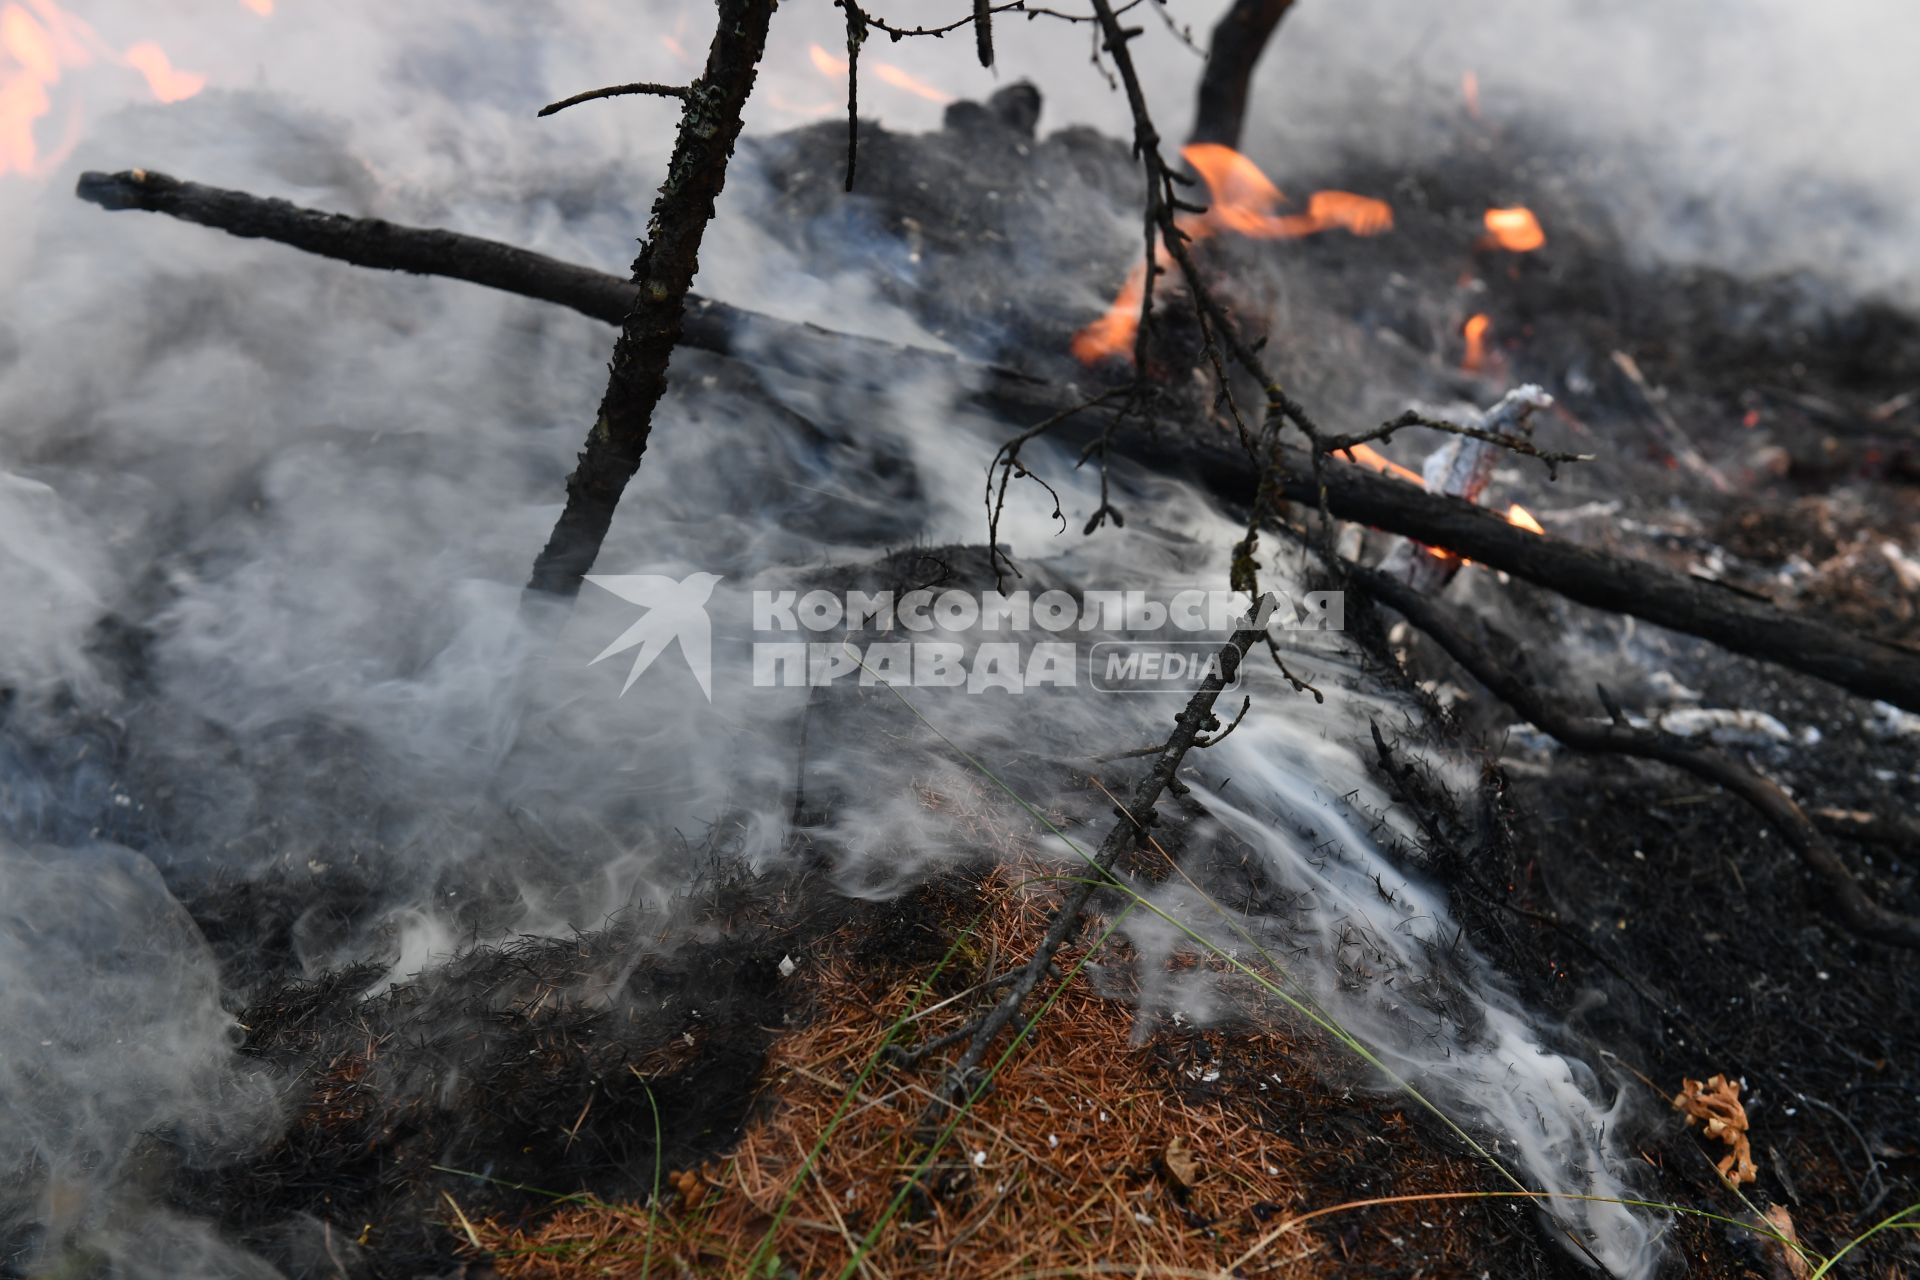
(1734, 621)
(1739, 623)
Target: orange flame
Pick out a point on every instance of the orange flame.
(167, 84)
(828, 65)
(1244, 202)
(1516, 230)
(39, 44)
(672, 41)
(262, 7)
(890, 74)
(1368, 456)
(825, 63)
(1475, 332)
(1470, 92)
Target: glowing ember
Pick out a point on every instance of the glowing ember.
(828, 65)
(1245, 202)
(1470, 93)
(1523, 518)
(1475, 332)
(1515, 230)
(39, 44)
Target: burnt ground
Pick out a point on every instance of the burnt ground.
(1665, 923)
(1662, 923)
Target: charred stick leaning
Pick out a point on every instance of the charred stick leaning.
(1595, 578)
(1234, 50)
(1131, 822)
(1504, 674)
(664, 271)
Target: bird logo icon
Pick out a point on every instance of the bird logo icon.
(675, 611)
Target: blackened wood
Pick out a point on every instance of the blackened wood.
(1238, 40)
(664, 271)
(367, 242)
(1501, 665)
(1617, 583)
(786, 345)
(1744, 624)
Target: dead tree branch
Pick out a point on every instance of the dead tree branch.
(664, 272)
(1131, 822)
(1501, 666)
(1741, 623)
(708, 325)
(1594, 578)
(679, 91)
(1238, 41)
(367, 242)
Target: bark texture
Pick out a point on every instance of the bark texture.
(1737, 622)
(662, 276)
(1238, 41)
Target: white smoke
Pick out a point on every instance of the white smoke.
(317, 491)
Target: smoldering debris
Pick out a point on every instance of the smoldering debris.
(387, 835)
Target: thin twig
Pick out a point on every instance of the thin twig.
(679, 91)
(1131, 821)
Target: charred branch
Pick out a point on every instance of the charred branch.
(679, 91)
(1598, 579)
(707, 325)
(1238, 41)
(664, 272)
(1501, 666)
(1132, 823)
(367, 242)
(1741, 623)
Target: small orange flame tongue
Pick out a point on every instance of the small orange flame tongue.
(828, 65)
(168, 84)
(39, 44)
(1245, 202)
(1368, 456)
(1475, 332)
